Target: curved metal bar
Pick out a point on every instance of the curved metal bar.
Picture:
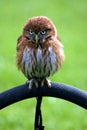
(57, 90)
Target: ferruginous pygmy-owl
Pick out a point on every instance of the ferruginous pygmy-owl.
(39, 51)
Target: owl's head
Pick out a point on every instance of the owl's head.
(39, 29)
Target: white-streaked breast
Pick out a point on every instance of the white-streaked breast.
(40, 65)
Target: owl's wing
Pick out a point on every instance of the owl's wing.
(58, 38)
(19, 39)
(60, 44)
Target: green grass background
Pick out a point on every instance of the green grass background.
(70, 18)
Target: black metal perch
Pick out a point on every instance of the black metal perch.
(57, 90)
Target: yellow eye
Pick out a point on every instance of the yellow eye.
(30, 32)
(43, 32)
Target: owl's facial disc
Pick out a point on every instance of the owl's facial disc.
(38, 37)
(42, 35)
(34, 38)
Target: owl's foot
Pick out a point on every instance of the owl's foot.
(46, 81)
(32, 82)
(36, 82)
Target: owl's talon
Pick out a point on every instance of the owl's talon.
(42, 83)
(48, 83)
(45, 81)
(32, 82)
(28, 82)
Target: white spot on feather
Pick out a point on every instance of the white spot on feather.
(37, 66)
(27, 60)
(39, 57)
(53, 60)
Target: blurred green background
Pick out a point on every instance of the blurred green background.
(70, 18)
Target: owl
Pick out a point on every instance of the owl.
(39, 51)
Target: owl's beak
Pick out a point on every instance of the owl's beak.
(36, 39)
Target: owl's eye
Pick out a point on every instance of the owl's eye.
(30, 32)
(43, 32)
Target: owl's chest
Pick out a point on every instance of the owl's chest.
(39, 63)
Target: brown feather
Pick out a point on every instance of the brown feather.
(45, 60)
